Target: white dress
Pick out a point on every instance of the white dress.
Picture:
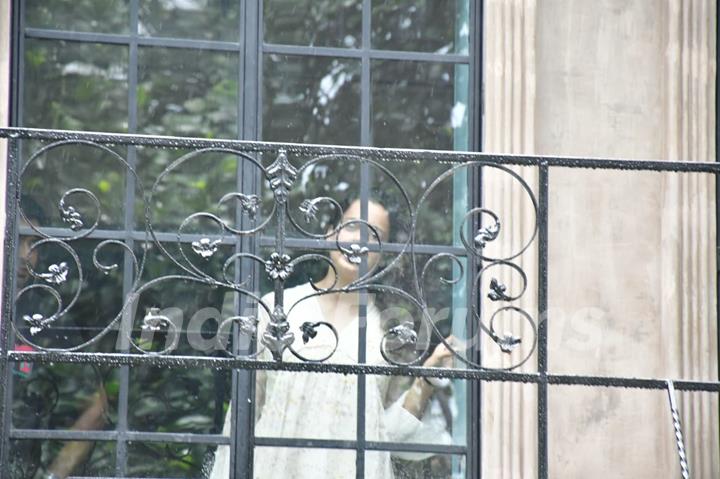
(323, 406)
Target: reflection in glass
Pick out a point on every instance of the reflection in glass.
(425, 25)
(58, 396)
(95, 307)
(301, 463)
(196, 185)
(206, 19)
(103, 16)
(313, 23)
(177, 460)
(195, 309)
(37, 458)
(311, 100)
(410, 466)
(52, 174)
(178, 400)
(75, 86)
(187, 93)
(415, 104)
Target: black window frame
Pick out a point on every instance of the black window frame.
(250, 49)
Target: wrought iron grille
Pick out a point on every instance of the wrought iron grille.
(280, 167)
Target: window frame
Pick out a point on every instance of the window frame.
(250, 49)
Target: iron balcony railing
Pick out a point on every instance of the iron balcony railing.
(273, 215)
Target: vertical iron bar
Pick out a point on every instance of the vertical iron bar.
(365, 78)
(17, 30)
(128, 268)
(362, 327)
(12, 200)
(241, 434)
(542, 416)
(684, 468)
(365, 140)
(475, 127)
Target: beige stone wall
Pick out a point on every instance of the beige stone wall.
(632, 280)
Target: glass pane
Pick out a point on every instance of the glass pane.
(629, 432)
(631, 275)
(104, 16)
(196, 185)
(38, 459)
(75, 86)
(415, 104)
(311, 100)
(89, 179)
(187, 92)
(426, 25)
(178, 400)
(296, 462)
(172, 460)
(306, 405)
(417, 412)
(313, 23)
(409, 465)
(64, 396)
(205, 19)
(193, 308)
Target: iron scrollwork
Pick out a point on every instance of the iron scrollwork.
(275, 335)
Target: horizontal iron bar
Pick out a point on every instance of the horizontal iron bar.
(77, 435)
(119, 39)
(273, 48)
(224, 46)
(215, 439)
(384, 154)
(297, 242)
(118, 359)
(350, 444)
(309, 243)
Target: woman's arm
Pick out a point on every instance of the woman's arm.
(421, 390)
(74, 452)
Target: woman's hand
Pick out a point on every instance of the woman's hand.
(417, 397)
(441, 356)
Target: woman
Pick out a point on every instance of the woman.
(323, 405)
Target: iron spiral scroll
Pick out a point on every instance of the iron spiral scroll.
(282, 210)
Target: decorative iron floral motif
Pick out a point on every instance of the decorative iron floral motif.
(154, 321)
(487, 234)
(309, 209)
(249, 204)
(404, 333)
(37, 322)
(277, 336)
(71, 216)
(355, 253)
(247, 325)
(309, 331)
(57, 273)
(205, 247)
(279, 266)
(281, 175)
(507, 342)
(497, 291)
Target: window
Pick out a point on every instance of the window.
(167, 240)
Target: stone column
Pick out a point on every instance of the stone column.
(632, 276)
